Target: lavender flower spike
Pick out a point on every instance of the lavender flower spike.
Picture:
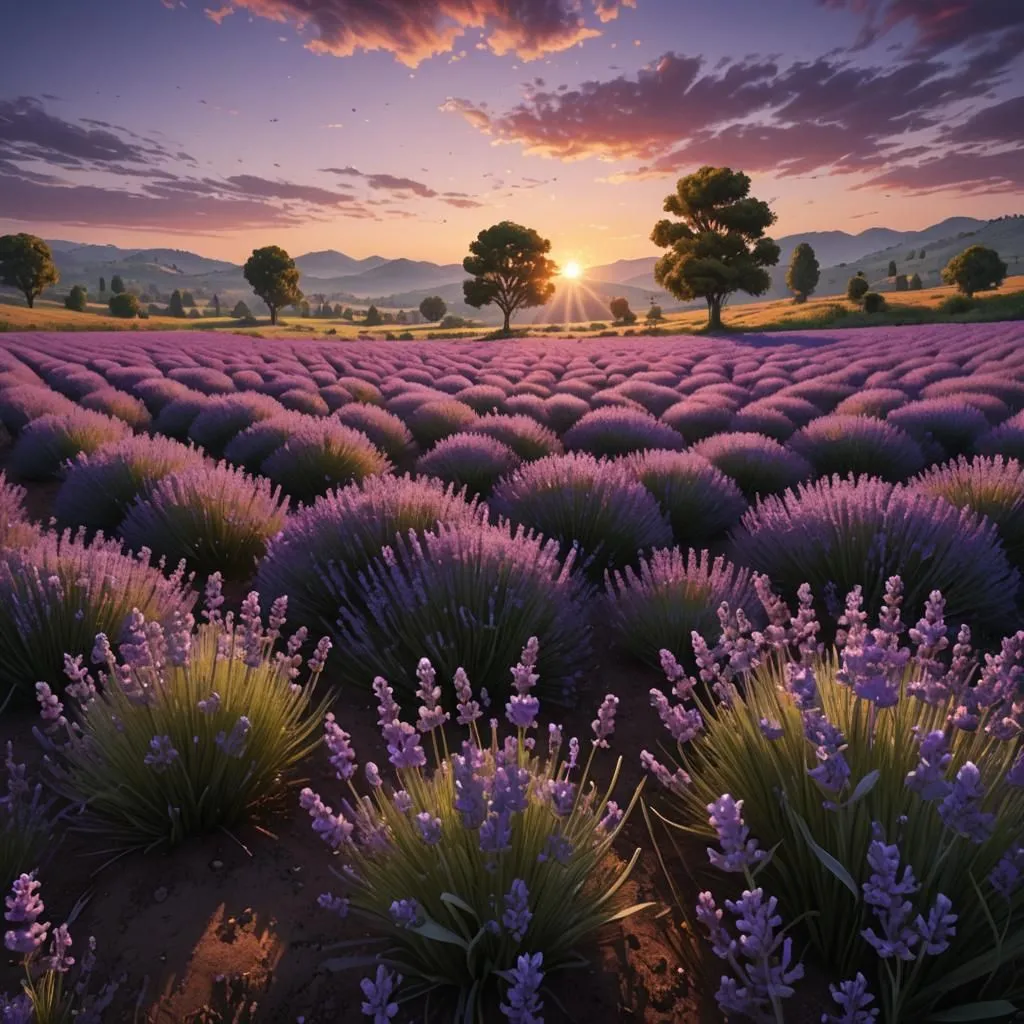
(524, 1005)
(161, 753)
(739, 852)
(604, 724)
(961, 810)
(854, 999)
(517, 916)
(339, 743)
(24, 908)
(377, 993)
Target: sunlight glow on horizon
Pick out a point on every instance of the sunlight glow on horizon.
(572, 270)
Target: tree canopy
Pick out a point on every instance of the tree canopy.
(433, 307)
(26, 263)
(124, 304)
(274, 278)
(77, 299)
(857, 287)
(509, 268)
(804, 272)
(619, 308)
(176, 305)
(718, 246)
(117, 284)
(241, 311)
(373, 317)
(976, 269)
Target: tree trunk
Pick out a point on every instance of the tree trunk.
(273, 315)
(30, 299)
(714, 312)
(508, 320)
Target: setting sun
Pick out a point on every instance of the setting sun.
(573, 271)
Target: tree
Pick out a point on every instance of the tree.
(804, 272)
(720, 246)
(976, 269)
(509, 268)
(621, 312)
(654, 314)
(874, 303)
(124, 305)
(921, 255)
(892, 271)
(373, 317)
(348, 313)
(77, 299)
(401, 317)
(176, 307)
(911, 254)
(103, 285)
(241, 311)
(901, 283)
(26, 263)
(274, 278)
(915, 282)
(433, 307)
(117, 284)
(857, 287)
(216, 305)
(187, 299)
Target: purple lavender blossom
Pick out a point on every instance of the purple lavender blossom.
(961, 809)
(562, 795)
(801, 685)
(557, 848)
(431, 715)
(373, 775)
(509, 789)
(335, 904)
(771, 729)
(469, 709)
(377, 993)
(739, 852)
(517, 916)
(470, 797)
(333, 829)
(604, 724)
(404, 748)
(496, 833)
(928, 778)
(402, 801)
(675, 782)
(1005, 877)
(522, 711)
(429, 828)
(161, 753)
(854, 999)
(210, 705)
(339, 743)
(406, 913)
(613, 815)
(24, 908)
(885, 891)
(58, 961)
(832, 772)
(233, 744)
(939, 928)
(524, 1005)
(682, 724)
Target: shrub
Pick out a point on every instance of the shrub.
(989, 487)
(1007, 439)
(655, 398)
(125, 305)
(796, 408)
(559, 412)
(224, 417)
(118, 404)
(383, 428)
(252, 446)
(857, 288)
(763, 420)
(694, 419)
(482, 398)
(319, 455)
(836, 534)
(951, 422)
(308, 402)
(48, 442)
(524, 435)
(873, 302)
(582, 502)
(699, 500)
(858, 444)
(23, 403)
(474, 461)
(435, 420)
(670, 596)
(612, 431)
(204, 379)
(467, 595)
(496, 832)
(1009, 390)
(813, 762)
(156, 392)
(77, 299)
(362, 390)
(219, 736)
(99, 487)
(16, 530)
(349, 527)
(175, 419)
(758, 464)
(62, 592)
(215, 517)
(877, 402)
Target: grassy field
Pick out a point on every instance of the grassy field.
(827, 311)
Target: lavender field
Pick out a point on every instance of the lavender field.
(783, 573)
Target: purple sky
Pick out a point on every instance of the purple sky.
(403, 127)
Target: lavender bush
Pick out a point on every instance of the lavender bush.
(877, 788)
(669, 597)
(700, 501)
(99, 487)
(192, 730)
(993, 488)
(226, 416)
(48, 442)
(28, 822)
(60, 592)
(838, 532)
(435, 420)
(251, 447)
(321, 455)
(954, 424)
(212, 516)
(466, 595)
(695, 420)
(529, 439)
(16, 529)
(599, 507)
(383, 428)
(482, 870)
(614, 431)
(858, 444)
(471, 460)
(758, 464)
(120, 405)
(22, 403)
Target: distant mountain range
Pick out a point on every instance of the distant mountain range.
(403, 283)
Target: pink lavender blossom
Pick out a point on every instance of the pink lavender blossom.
(373, 775)
(339, 743)
(612, 817)
(59, 961)
(675, 782)
(604, 724)
(333, 829)
(24, 908)
(402, 801)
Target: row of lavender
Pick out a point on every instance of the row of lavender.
(370, 564)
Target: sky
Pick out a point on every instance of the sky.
(404, 127)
